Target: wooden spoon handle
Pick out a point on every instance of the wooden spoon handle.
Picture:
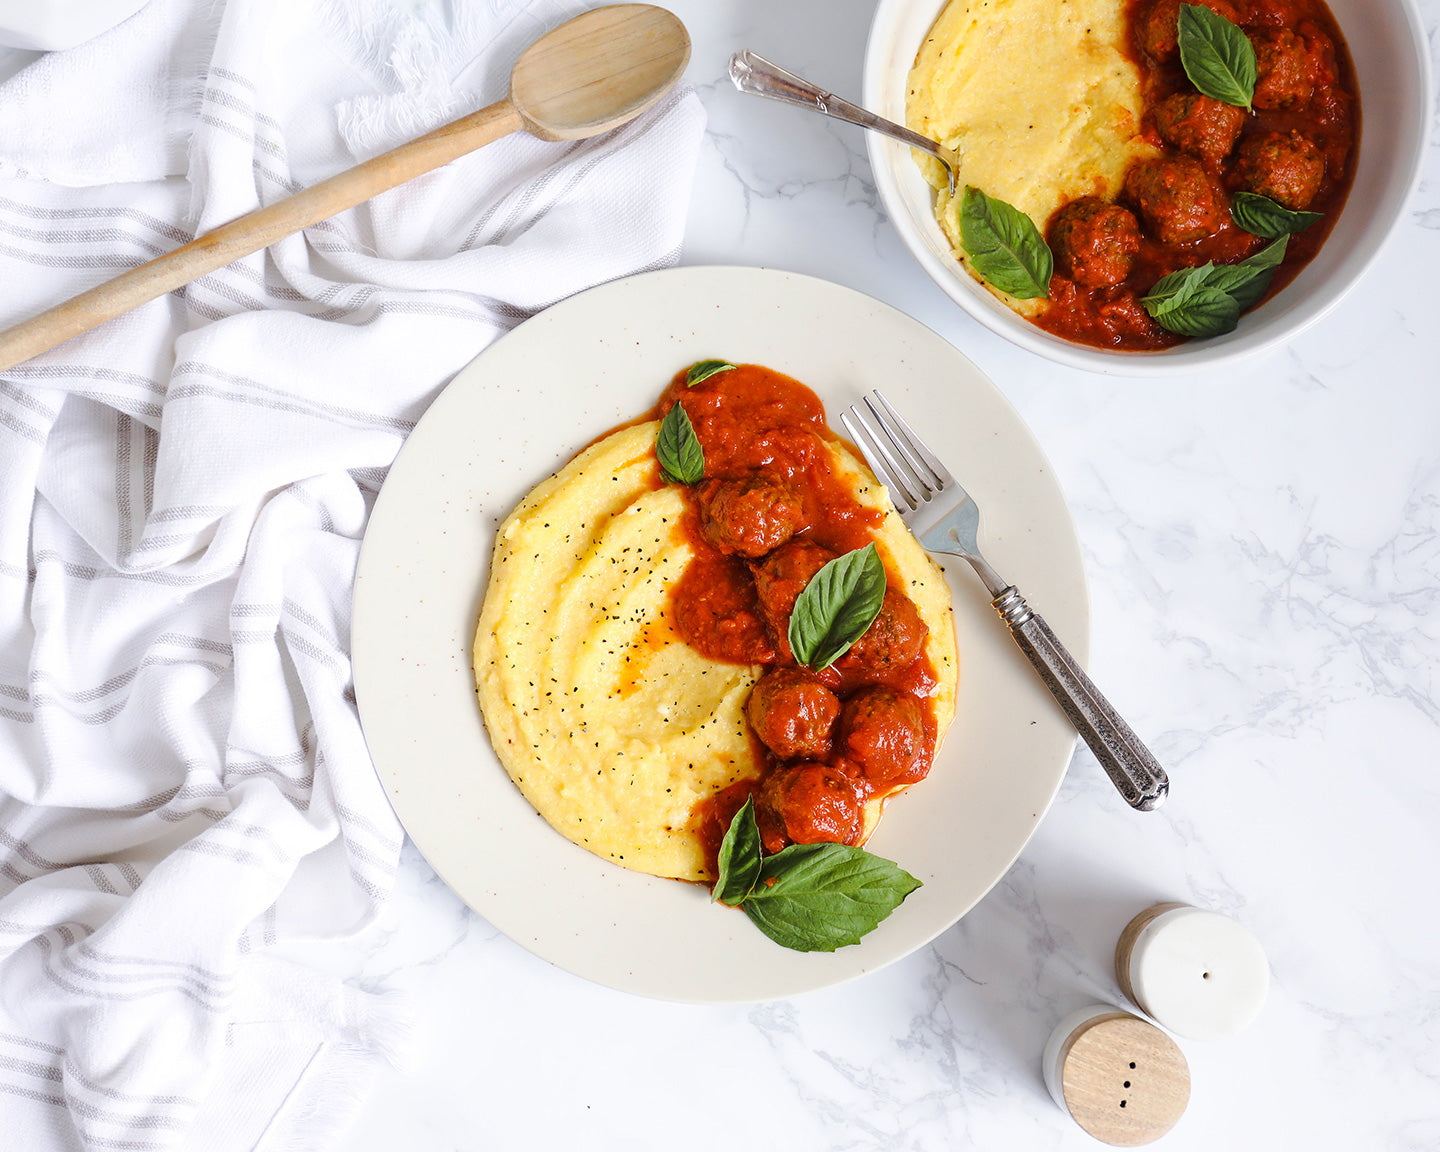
(255, 230)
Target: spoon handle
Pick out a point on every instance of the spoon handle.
(255, 230)
(758, 76)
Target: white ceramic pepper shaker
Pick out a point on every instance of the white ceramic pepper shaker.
(1198, 974)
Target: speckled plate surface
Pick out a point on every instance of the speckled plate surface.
(517, 413)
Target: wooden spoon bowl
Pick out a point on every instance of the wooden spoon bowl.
(564, 89)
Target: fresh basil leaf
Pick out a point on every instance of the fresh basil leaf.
(1204, 311)
(836, 607)
(1217, 56)
(809, 897)
(819, 897)
(1171, 291)
(1262, 216)
(1248, 294)
(1004, 246)
(739, 863)
(1248, 280)
(1208, 300)
(1268, 257)
(682, 460)
(703, 370)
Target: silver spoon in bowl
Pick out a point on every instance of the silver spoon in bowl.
(758, 76)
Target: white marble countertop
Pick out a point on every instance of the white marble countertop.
(1263, 551)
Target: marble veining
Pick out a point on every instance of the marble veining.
(1262, 552)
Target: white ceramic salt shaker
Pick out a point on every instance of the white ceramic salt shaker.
(1197, 973)
(1119, 1077)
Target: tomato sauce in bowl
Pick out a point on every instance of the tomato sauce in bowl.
(1298, 142)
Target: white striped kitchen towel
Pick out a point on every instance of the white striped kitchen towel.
(183, 780)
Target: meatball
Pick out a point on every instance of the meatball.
(792, 714)
(1285, 166)
(1285, 68)
(882, 731)
(811, 804)
(780, 578)
(1094, 242)
(893, 640)
(749, 516)
(1204, 127)
(1177, 199)
(1157, 29)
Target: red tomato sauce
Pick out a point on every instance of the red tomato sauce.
(754, 421)
(1112, 317)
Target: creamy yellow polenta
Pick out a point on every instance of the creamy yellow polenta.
(611, 726)
(1039, 99)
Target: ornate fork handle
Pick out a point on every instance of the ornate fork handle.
(1130, 765)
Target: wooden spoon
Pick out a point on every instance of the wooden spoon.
(589, 75)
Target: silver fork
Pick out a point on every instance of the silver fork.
(945, 519)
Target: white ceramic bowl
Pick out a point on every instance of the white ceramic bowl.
(1387, 43)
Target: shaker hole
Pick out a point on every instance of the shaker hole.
(1126, 1084)
(1132, 1063)
(1122, 1103)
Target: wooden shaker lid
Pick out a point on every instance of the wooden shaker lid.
(1123, 1080)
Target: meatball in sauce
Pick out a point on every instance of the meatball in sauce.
(793, 714)
(893, 641)
(883, 732)
(1156, 25)
(1176, 198)
(1094, 242)
(1199, 126)
(780, 578)
(749, 516)
(810, 803)
(1285, 166)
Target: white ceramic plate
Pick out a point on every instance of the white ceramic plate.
(517, 413)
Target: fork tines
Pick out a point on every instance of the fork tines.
(900, 459)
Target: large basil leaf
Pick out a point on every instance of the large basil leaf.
(1004, 246)
(739, 864)
(1248, 280)
(1217, 55)
(808, 897)
(1204, 311)
(1262, 216)
(682, 460)
(1173, 290)
(1208, 300)
(836, 607)
(819, 897)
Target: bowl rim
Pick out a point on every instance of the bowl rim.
(1184, 359)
